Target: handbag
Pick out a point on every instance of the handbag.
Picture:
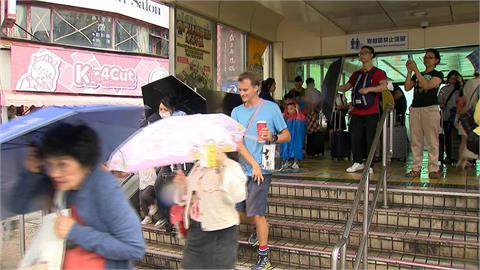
(473, 143)
(47, 250)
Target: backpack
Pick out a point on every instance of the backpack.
(363, 80)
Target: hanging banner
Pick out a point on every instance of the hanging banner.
(229, 58)
(193, 50)
(60, 70)
(255, 50)
(380, 42)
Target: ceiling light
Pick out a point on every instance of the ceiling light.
(419, 14)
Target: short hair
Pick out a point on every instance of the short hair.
(435, 52)
(309, 81)
(369, 48)
(298, 79)
(77, 141)
(169, 101)
(249, 76)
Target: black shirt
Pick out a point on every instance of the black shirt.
(422, 97)
(265, 94)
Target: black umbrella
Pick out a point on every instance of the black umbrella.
(221, 102)
(329, 88)
(188, 100)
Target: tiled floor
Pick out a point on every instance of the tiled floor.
(334, 170)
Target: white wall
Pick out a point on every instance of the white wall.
(278, 68)
(300, 43)
(5, 70)
(293, 41)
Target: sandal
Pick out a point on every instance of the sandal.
(413, 174)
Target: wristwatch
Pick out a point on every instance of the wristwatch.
(275, 138)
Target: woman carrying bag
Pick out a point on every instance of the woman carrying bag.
(103, 231)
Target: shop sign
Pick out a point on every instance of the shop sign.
(380, 42)
(52, 69)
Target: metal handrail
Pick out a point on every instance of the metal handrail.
(340, 248)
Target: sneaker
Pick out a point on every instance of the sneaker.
(263, 263)
(295, 166)
(355, 167)
(286, 165)
(434, 175)
(413, 174)
(252, 240)
(147, 220)
(152, 209)
(160, 223)
(169, 228)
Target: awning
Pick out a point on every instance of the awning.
(8, 98)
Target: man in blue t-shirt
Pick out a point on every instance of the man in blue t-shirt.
(248, 114)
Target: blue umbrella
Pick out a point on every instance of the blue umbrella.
(113, 124)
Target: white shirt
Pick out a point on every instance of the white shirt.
(217, 190)
(147, 178)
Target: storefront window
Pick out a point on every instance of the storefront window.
(40, 23)
(295, 69)
(87, 30)
(130, 37)
(230, 58)
(82, 29)
(159, 42)
(127, 36)
(18, 30)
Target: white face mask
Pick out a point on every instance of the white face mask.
(165, 115)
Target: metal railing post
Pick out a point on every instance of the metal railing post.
(340, 248)
(390, 148)
(384, 159)
(365, 221)
(21, 227)
(343, 256)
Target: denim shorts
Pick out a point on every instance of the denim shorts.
(256, 202)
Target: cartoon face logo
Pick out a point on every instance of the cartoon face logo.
(43, 72)
(157, 74)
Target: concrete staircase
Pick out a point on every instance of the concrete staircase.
(422, 228)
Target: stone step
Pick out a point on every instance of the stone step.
(408, 242)
(442, 198)
(396, 215)
(170, 257)
(297, 255)
(314, 255)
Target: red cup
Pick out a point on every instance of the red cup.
(261, 125)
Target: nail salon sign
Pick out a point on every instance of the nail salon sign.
(52, 69)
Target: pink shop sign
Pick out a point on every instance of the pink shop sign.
(51, 69)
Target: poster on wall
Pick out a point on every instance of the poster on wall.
(60, 70)
(255, 50)
(230, 58)
(193, 50)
